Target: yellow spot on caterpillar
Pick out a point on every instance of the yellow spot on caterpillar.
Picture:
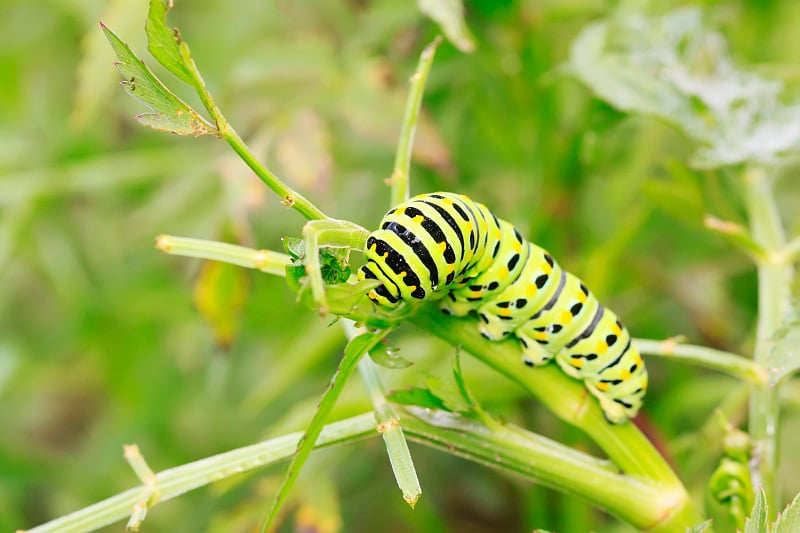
(638, 360)
(503, 273)
(447, 201)
(601, 347)
(418, 219)
(581, 297)
(373, 247)
(531, 289)
(616, 330)
(403, 274)
(625, 375)
(372, 295)
(498, 234)
(467, 227)
(602, 387)
(566, 317)
(400, 211)
(385, 255)
(577, 363)
(442, 246)
(540, 335)
(517, 246)
(546, 268)
(504, 312)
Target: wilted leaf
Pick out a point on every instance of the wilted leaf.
(170, 112)
(449, 15)
(220, 293)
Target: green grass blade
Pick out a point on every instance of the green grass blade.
(354, 351)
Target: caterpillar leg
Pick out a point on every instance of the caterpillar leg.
(533, 353)
(319, 234)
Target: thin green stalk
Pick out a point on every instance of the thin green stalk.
(176, 481)
(774, 282)
(388, 426)
(264, 260)
(732, 364)
(399, 180)
(289, 197)
(354, 351)
(737, 235)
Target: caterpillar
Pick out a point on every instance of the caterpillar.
(444, 246)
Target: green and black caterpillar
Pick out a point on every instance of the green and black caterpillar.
(448, 247)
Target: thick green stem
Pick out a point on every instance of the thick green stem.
(568, 399)
(773, 302)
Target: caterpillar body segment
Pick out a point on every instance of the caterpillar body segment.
(443, 246)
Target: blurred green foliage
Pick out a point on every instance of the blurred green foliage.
(100, 344)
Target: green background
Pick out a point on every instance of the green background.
(101, 345)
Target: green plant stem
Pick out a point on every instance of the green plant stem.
(264, 260)
(732, 364)
(774, 281)
(399, 180)
(388, 426)
(638, 501)
(176, 481)
(289, 197)
(568, 399)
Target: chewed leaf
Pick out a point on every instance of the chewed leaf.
(419, 397)
(164, 43)
(784, 358)
(674, 68)
(170, 113)
(449, 15)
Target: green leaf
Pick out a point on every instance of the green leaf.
(757, 522)
(701, 527)
(164, 43)
(449, 15)
(418, 396)
(784, 358)
(353, 352)
(789, 520)
(170, 113)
